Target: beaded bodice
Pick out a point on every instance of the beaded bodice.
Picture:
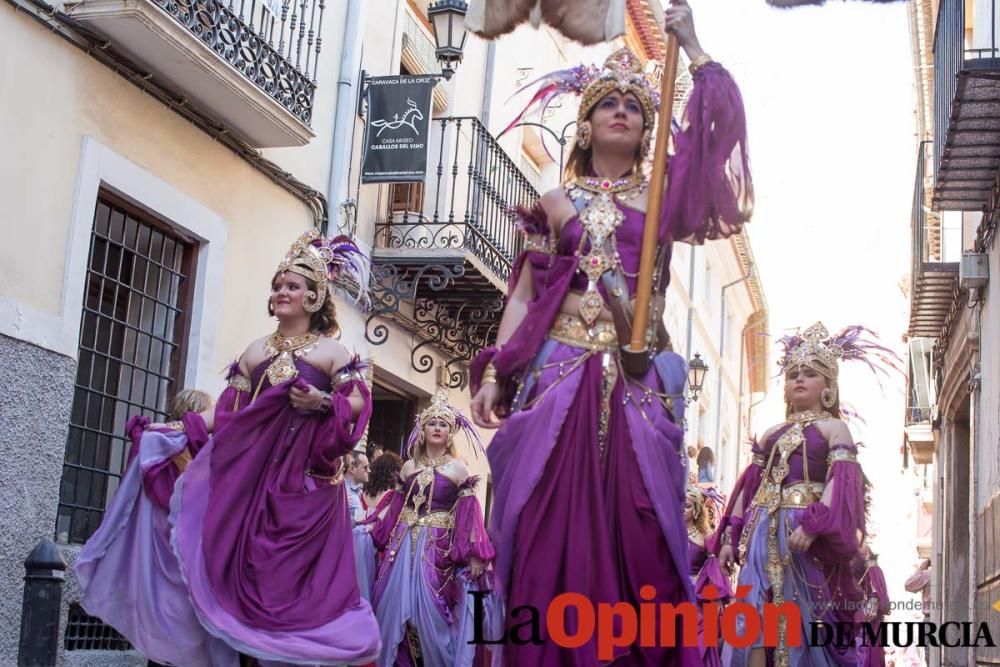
(429, 491)
(628, 239)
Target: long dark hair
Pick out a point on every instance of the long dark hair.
(706, 457)
(323, 320)
(382, 474)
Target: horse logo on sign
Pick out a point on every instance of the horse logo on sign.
(410, 117)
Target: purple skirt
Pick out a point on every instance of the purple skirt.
(351, 638)
(804, 582)
(131, 579)
(571, 515)
(409, 592)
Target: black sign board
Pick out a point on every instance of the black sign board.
(399, 109)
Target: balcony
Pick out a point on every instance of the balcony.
(918, 430)
(445, 247)
(250, 64)
(966, 105)
(933, 281)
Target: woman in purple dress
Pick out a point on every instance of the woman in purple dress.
(703, 566)
(436, 549)
(261, 561)
(796, 522)
(588, 465)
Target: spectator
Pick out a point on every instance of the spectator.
(706, 466)
(356, 464)
(382, 478)
(920, 582)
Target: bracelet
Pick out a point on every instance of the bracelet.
(489, 374)
(699, 62)
(325, 402)
(727, 537)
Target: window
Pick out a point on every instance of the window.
(87, 633)
(133, 319)
(405, 199)
(392, 419)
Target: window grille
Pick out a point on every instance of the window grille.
(88, 633)
(129, 354)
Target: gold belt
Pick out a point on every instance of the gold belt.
(432, 520)
(801, 494)
(574, 331)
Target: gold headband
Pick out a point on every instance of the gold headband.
(439, 409)
(815, 350)
(308, 261)
(622, 72)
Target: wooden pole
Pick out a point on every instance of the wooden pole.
(647, 257)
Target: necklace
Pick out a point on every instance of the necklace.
(808, 416)
(437, 461)
(694, 534)
(600, 219)
(625, 187)
(284, 351)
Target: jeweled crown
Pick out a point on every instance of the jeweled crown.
(816, 349)
(623, 72)
(439, 409)
(323, 260)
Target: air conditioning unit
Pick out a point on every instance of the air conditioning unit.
(974, 271)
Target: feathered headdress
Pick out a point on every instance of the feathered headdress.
(820, 351)
(457, 422)
(622, 71)
(326, 262)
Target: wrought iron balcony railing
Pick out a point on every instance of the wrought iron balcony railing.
(248, 65)
(445, 247)
(966, 105)
(275, 44)
(932, 279)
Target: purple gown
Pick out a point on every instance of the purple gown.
(704, 570)
(824, 579)
(265, 548)
(127, 570)
(568, 515)
(429, 533)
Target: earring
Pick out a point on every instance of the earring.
(270, 308)
(646, 145)
(828, 397)
(311, 302)
(584, 132)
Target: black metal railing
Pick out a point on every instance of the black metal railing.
(949, 36)
(274, 43)
(951, 56)
(467, 202)
(920, 251)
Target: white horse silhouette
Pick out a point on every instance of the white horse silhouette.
(410, 116)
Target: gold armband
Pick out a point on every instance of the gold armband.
(489, 374)
(841, 454)
(699, 62)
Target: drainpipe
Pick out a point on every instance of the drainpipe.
(722, 354)
(491, 61)
(347, 96)
(690, 323)
(743, 344)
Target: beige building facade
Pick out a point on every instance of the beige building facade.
(952, 425)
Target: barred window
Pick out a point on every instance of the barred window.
(130, 354)
(87, 633)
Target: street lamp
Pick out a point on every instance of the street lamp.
(697, 369)
(448, 19)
